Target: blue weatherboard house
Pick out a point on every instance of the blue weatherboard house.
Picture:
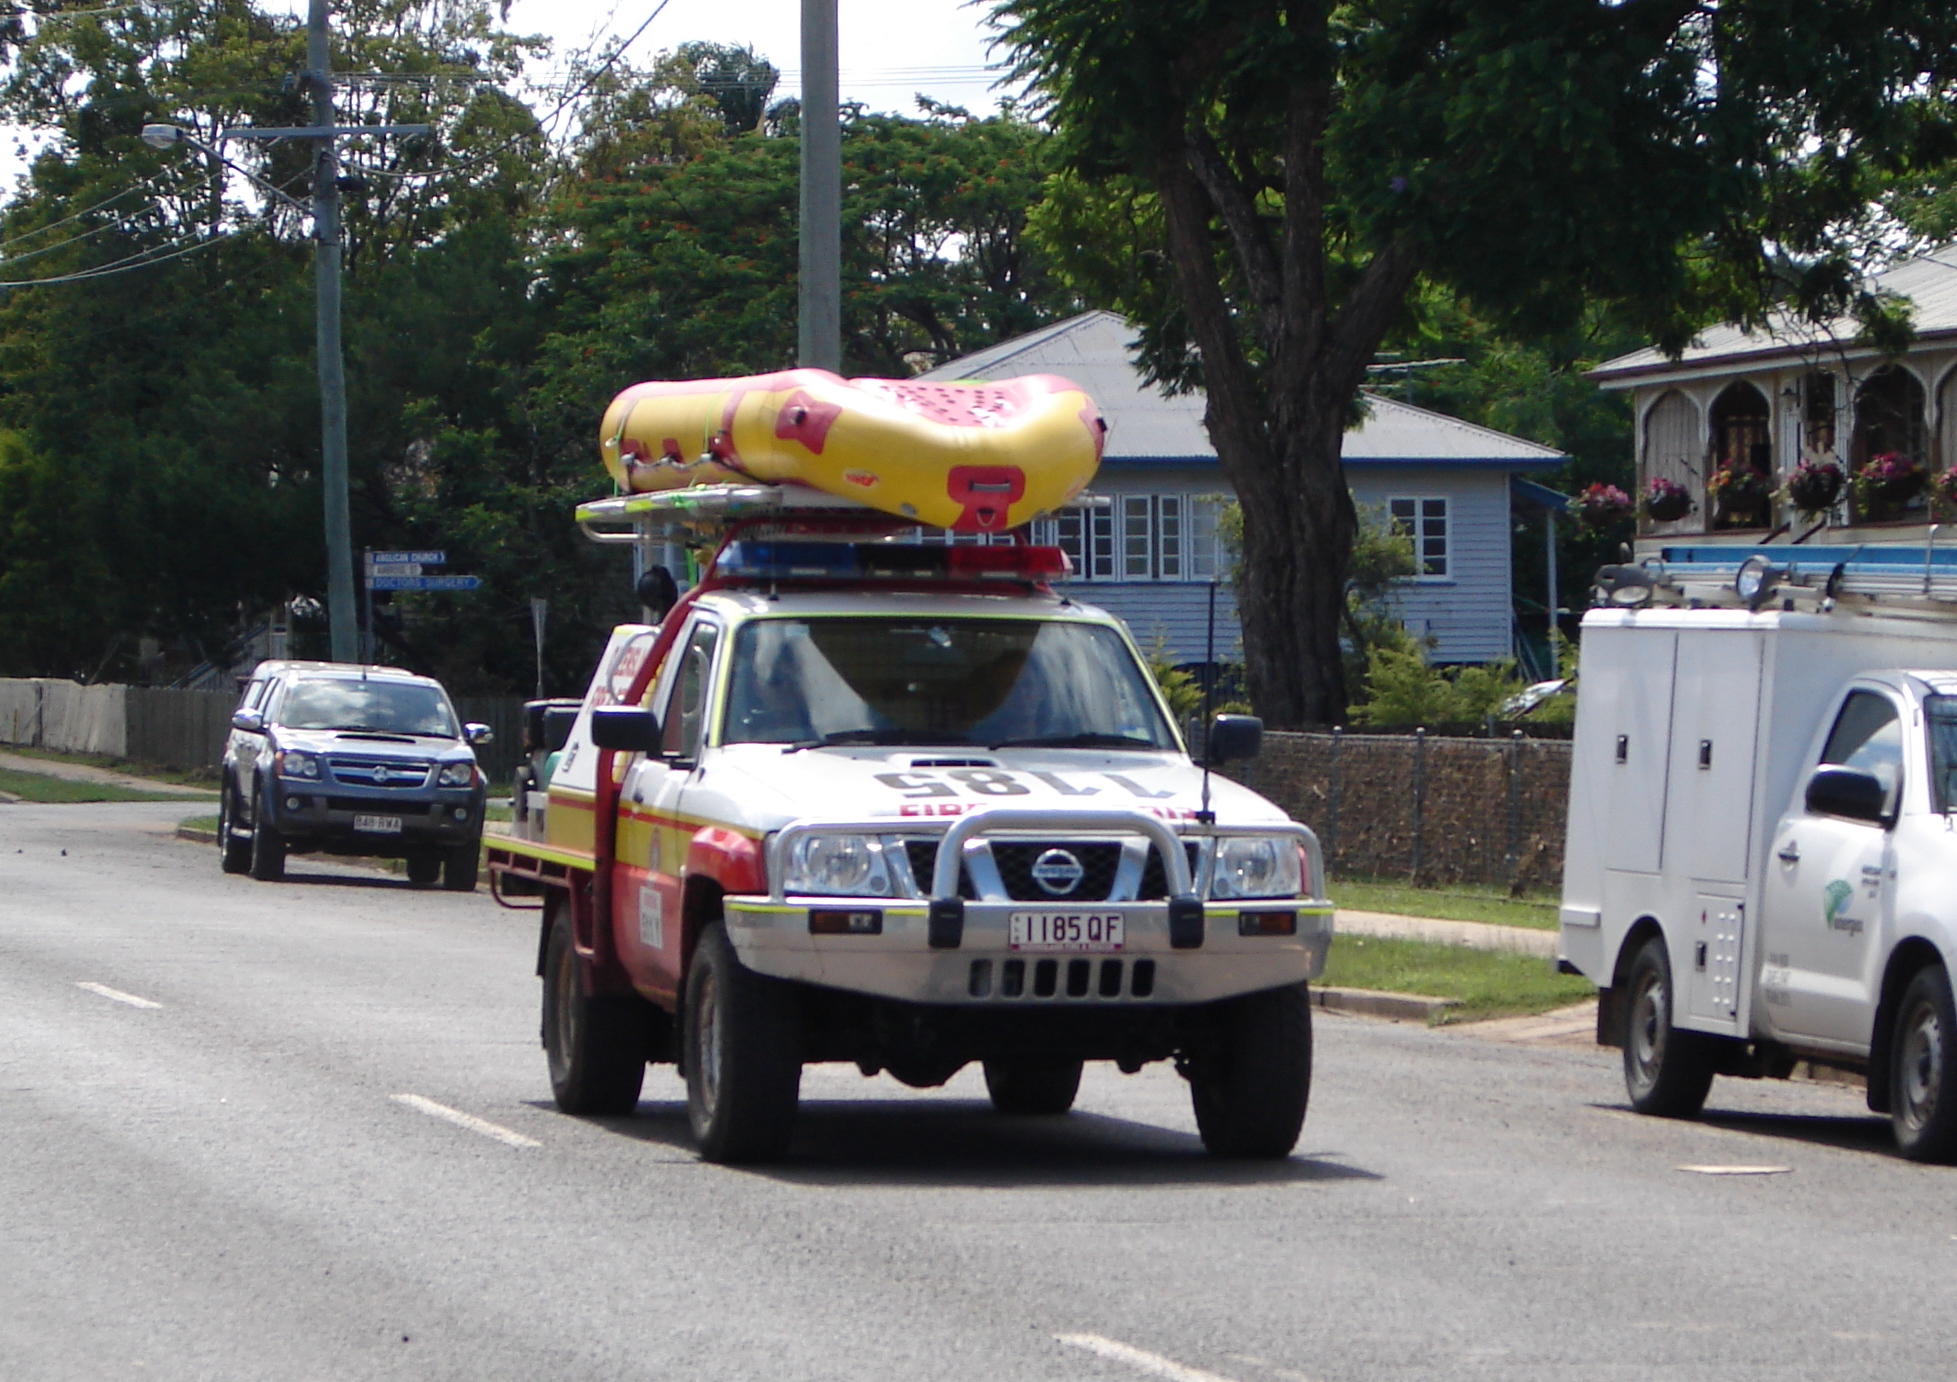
(1151, 553)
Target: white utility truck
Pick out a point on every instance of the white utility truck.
(1762, 858)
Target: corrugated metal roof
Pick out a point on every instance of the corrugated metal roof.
(1929, 282)
(1093, 351)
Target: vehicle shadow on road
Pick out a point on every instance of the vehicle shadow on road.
(1867, 1133)
(964, 1143)
(362, 879)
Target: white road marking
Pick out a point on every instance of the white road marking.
(1738, 1170)
(118, 996)
(466, 1120)
(1140, 1359)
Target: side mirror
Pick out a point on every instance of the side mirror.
(625, 729)
(1849, 793)
(1234, 738)
(477, 733)
(250, 721)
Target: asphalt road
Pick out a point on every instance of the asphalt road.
(226, 1183)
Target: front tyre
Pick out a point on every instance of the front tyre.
(595, 1044)
(233, 849)
(424, 867)
(267, 851)
(743, 1055)
(1250, 1080)
(1031, 1085)
(1667, 1072)
(1923, 1076)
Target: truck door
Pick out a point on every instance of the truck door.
(653, 835)
(1829, 889)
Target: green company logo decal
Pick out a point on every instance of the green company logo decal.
(1834, 898)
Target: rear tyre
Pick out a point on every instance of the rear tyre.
(424, 868)
(1667, 1072)
(743, 1055)
(1250, 1080)
(1923, 1076)
(1030, 1085)
(267, 852)
(233, 850)
(595, 1044)
(460, 866)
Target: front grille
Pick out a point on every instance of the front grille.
(923, 856)
(390, 808)
(390, 774)
(1099, 860)
(1155, 878)
(1098, 863)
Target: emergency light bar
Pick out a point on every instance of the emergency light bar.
(746, 559)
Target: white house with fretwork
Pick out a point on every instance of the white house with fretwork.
(1771, 398)
(1151, 554)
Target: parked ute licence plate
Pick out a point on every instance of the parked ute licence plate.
(378, 825)
(1091, 931)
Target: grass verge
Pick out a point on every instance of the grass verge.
(1463, 902)
(1487, 983)
(198, 823)
(175, 777)
(40, 788)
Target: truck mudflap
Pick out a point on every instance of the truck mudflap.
(1006, 951)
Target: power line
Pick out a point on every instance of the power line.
(121, 220)
(85, 211)
(160, 254)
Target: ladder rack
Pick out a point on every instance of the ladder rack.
(1864, 579)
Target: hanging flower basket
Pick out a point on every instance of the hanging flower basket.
(1943, 489)
(1601, 505)
(1667, 501)
(1891, 478)
(1739, 496)
(1814, 488)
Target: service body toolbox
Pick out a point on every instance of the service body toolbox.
(1761, 864)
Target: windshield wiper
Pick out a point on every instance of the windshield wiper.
(1088, 739)
(867, 736)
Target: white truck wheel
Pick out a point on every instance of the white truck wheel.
(1923, 1078)
(1666, 1071)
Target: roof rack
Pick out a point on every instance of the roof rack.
(1866, 579)
(709, 511)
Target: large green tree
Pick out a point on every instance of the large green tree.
(1285, 172)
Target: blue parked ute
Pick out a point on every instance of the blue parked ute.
(334, 758)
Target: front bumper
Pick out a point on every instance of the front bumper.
(774, 938)
(324, 817)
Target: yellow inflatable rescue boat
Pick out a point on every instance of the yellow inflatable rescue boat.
(979, 457)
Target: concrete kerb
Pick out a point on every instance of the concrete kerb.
(1396, 1007)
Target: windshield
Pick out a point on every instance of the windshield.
(340, 703)
(939, 681)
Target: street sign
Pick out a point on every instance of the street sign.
(394, 568)
(397, 558)
(425, 582)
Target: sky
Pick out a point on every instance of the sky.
(889, 50)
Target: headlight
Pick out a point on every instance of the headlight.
(456, 775)
(1256, 866)
(293, 763)
(838, 866)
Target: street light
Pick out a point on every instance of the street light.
(325, 212)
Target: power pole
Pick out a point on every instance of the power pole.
(332, 365)
(820, 282)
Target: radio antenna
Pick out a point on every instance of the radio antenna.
(1205, 815)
